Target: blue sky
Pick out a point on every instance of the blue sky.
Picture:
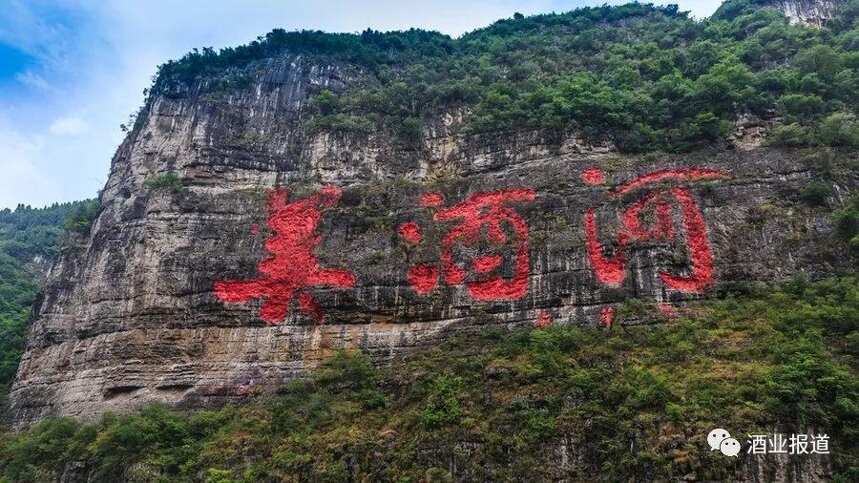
(72, 70)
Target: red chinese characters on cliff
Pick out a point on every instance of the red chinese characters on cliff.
(293, 268)
(483, 217)
(611, 270)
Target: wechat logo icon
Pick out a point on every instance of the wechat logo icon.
(720, 439)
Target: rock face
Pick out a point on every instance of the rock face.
(808, 12)
(283, 245)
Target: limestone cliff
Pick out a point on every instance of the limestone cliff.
(809, 12)
(813, 13)
(370, 243)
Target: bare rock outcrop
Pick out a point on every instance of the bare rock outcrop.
(809, 12)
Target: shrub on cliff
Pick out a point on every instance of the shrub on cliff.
(815, 193)
(839, 129)
(169, 182)
(790, 135)
(847, 223)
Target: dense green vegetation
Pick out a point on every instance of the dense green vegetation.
(847, 223)
(643, 77)
(81, 216)
(28, 236)
(643, 397)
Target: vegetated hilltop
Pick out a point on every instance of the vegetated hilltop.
(644, 78)
(604, 171)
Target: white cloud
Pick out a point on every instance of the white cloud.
(23, 180)
(66, 126)
(32, 79)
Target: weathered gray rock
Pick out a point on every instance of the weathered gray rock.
(809, 12)
(129, 315)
